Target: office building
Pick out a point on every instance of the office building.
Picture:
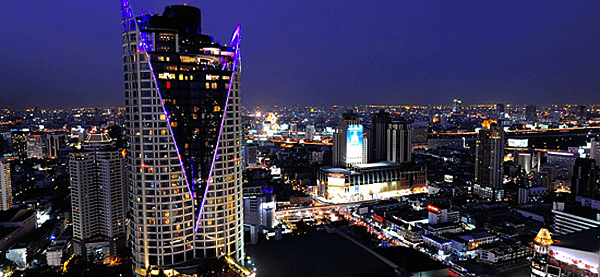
(399, 141)
(390, 139)
(563, 158)
(584, 181)
(524, 161)
(183, 125)
(250, 156)
(5, 186)
(35, 146)
(442, 214)
(54, 142)
(488, 161)
(18, 141)
(97, 198)
(259, 210)
(348, 141)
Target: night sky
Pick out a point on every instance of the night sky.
(322, 52)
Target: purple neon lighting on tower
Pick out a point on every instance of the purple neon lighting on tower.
(162, 102)
(144, 46)
(235, 37)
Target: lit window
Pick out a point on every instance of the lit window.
(214, 85)
(210, 77)
(185, 59)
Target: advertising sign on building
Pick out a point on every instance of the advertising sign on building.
(518, 143)
(354, 142)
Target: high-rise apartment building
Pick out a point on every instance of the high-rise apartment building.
(378, 136)
(5, 186)
(390, 139)
(399, 141)
(54, 142)
(183, 127)
(488, 161)
(97, 198)
(348, 141)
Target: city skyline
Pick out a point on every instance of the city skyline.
(328, 53)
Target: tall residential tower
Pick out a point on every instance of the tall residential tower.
(390, 139)
(488, 161)
(5, 186)
(182, 94)
(97, 198)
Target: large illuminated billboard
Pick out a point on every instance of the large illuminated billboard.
(518, 143)
(354, 144)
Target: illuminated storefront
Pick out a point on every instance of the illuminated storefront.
(371, 181)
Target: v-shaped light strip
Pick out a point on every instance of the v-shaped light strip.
(234, 39)
(144, 46)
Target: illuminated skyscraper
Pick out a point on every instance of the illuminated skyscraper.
(348, 141)
(488, 161)
(97, 198)
(182, 94)
(5, 186)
